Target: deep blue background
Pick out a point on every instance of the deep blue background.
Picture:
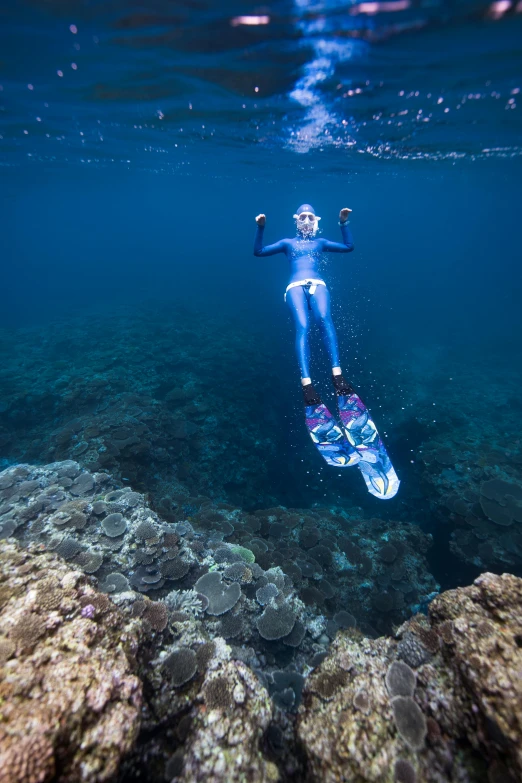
(437, 246)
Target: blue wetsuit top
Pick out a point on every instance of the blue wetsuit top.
(304, 254)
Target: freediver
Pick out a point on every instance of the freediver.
(307, 293)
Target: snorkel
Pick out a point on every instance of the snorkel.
(306, 221)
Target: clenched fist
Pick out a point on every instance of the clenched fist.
(261, 220)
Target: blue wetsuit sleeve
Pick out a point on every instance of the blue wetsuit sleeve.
(337, 247)
(267, 250)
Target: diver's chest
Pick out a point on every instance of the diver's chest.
(306, 250)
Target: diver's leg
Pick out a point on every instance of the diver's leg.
(321, 309)
(325, 432)
(297, 303)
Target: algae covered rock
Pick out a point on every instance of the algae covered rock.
(458, 717)
(225, 741)
(69, 697)
(482, 625)
(341, 740)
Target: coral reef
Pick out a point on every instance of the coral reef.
(267, 568)
(70, 699)
(150, 689)
(127, 392)
(482, 626)
(368, 717)
(275, 584)
(226, 739)
(260, 580)
(469, 461)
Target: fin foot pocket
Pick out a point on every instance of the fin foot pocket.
(329, 438)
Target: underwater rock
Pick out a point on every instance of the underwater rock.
(436, 700)
(225, 742)
(458, 719)
(218, 708)
(70, 698)
(486, 654)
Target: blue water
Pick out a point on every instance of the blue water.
(140, 337)
(137, 146)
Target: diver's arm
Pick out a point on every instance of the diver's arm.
(347, 243)
(267, 250)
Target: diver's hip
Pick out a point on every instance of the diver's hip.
(309, 284)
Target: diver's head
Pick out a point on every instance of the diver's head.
(306, 221)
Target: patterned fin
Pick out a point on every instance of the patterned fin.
(375, 465)
(329, 439)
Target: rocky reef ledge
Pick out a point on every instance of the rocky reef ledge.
(100, 683)
(70, 698)
(441, 702)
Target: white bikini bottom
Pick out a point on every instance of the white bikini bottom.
(311, 283)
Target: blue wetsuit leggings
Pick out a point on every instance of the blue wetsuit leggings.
(303, 306)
